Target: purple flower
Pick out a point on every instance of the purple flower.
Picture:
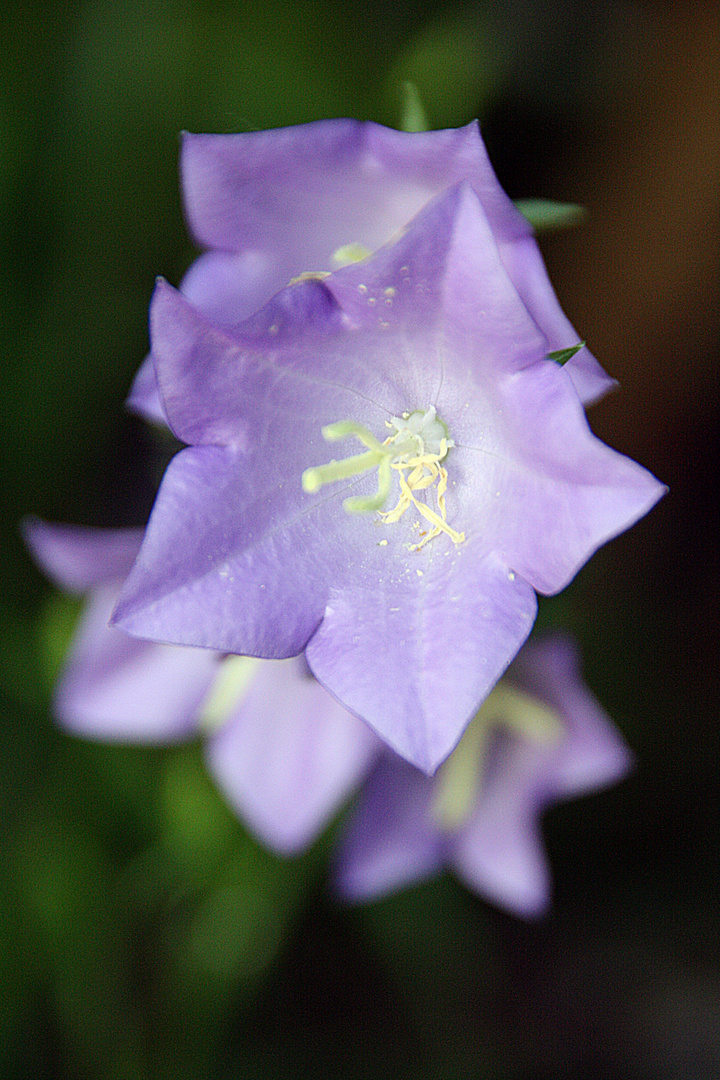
(427, 356)
(540, 737)
(285, 754)
(270, 205)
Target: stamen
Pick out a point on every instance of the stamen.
(226, 692)
(375, 457)
(414, 451)
(460, 777)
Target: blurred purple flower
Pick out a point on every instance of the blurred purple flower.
(284, 753)
(539, 738)
(270, 205)
(428, 340)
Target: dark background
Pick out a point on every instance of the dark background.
(142, 932)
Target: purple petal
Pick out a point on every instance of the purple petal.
(238, 558)
(79, 558)
(210, 378)
(114, 687)
(499, 852)
(239, 522)
(227, 288)
(394, 839)
(218, 569)
(289, 756)
(276, 203)
(144, 396)
(560, 493)
(300, 193)
(525, 265)
(591, 382)
(448, 261)
(595, 754)
(390, 841)
(443, 649)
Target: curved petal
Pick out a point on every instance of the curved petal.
(390, 840)
(289, 756)
(293, 355)
(594, 754)
(228, 567)
(228, 286)
(446, 273)
(499, 852)
(349, 182)
(144, 396)
(416, 668)
(239, 558)
(78, 558)
(525, 265)
(114, 687)
(300, 193)
(575, 492)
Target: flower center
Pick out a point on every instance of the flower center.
(418, 444)
(460, 777)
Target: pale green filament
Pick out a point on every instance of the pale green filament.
(376, 456)
(460, 777)
(227, 691)
(417, 447)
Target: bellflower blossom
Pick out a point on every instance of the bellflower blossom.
(270, 205)
(284, 753)
(477, 455)
(540, 737)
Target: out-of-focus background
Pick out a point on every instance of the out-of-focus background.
(142, 932)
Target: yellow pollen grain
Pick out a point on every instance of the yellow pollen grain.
(424, 471)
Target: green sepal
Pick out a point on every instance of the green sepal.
(545, 215)
(412, 112)
(561, 356)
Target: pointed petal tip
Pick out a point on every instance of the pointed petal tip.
(161, 290)
(275, 835)
(78, 557)
(519, 883)
(363, 877)
(606, 760)
(650, 491)
(127, 616)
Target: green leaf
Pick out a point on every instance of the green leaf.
(545, 215)
(561, 356)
